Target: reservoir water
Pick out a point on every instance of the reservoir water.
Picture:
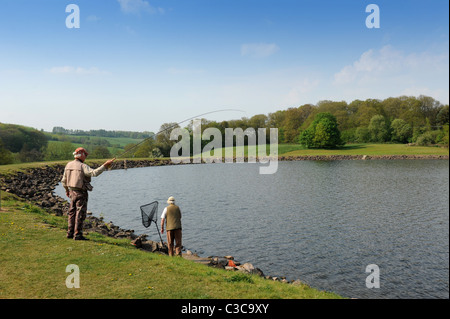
(322, 222)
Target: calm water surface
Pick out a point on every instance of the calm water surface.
(321, 222)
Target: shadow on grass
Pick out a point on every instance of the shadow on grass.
(352, 147)
(346, 147)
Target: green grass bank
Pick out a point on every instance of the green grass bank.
(296, 150)
(35, 254)
(366, 149)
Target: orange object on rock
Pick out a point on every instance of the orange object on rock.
(231, 263)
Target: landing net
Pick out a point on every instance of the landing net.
(149, 214)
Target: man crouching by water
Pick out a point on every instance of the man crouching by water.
(77, 182)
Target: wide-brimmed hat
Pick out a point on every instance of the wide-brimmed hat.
(171, 200)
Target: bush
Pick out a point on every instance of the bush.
(428, 138)
(443, 138)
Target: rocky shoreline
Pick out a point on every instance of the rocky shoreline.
(37, 185)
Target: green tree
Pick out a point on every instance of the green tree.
(401, 131)
(6, 156)
(59, 151)
(412, 113)
(322, 133)
(306, 137)
(294, 118)
(258, 121)
(145, 149)
(393, 107)
(429, 108)
(378, 129)
(349, 135)
(366, 110)
(163, 141)
(28, 142)
(276, 120)
(362, 135)
(12, 138)
(444, 137)
(442, 116)
(100, 152)
(340, 110)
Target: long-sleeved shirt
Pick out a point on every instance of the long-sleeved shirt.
(87, 171)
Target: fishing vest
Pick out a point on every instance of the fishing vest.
(173, 217)
(75, 176)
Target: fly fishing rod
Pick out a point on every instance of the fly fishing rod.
(149, 211)
(173, 126)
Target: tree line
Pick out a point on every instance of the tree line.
(406, 119)
(401, 119)
(419, 120)
(101, 133)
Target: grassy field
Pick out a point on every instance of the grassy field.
(351, 149)
(35, 254)
(372, 149)
(116, 143)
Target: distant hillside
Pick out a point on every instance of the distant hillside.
(19, 143)
(102, 133)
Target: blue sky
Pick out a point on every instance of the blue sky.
(136, 64)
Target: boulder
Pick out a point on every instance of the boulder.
(250, 269)
(138, 241)
(297, 283)
(219, 262)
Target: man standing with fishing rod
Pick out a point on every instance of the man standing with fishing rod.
(77, 182)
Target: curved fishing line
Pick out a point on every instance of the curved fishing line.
(176, 125)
